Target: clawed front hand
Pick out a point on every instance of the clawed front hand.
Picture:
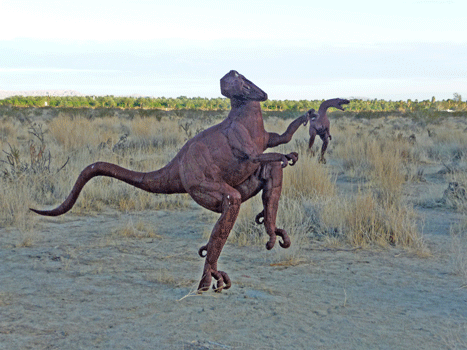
(292, 157)
(311, 115)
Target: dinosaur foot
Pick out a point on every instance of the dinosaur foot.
(322, 160)
(223, 281)
(284, 243)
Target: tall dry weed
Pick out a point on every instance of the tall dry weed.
(308, 178)
(149, 133)
(459, 248)
(386, 171)
(14, 198)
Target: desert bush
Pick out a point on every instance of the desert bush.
(455, 195)
(447, 141)
(27, 168)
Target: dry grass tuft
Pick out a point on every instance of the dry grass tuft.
(459, 248)
(75, 133)
(309, 179)
(163, 276)
(140, 230)
(364, 221)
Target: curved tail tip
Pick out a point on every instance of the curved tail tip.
(44, 212)
(36, 211)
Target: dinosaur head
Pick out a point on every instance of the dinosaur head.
(338, 102)
(335, 102)
(236, 86)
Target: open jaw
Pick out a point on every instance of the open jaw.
(342, 102)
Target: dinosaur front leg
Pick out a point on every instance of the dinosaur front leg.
(276, 139)
(266, 158)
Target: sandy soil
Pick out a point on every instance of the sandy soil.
(81, 286)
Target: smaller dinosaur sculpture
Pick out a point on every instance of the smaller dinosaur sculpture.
(320, 125)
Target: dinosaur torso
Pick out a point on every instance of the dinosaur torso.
(321, 123)
(233, 142)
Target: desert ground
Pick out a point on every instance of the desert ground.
(120, 271)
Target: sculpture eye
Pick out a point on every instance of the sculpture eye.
(236, 74)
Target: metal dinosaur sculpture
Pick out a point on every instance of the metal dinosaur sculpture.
(219, 168)
(320, 125)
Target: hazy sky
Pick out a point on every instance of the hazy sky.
(291, 49)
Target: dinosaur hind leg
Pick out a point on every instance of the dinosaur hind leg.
(270, 196)
(229, 203)
(201, 177)
(312, 141)
(325, 139)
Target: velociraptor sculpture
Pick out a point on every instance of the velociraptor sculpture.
(320, 125)
(220, 168)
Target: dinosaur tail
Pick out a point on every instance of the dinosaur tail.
(158, 182)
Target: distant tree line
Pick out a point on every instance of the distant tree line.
(222, 104)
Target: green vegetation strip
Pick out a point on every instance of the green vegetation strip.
(360, 108)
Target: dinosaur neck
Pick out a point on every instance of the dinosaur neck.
(238, 104)
(248, 114)
(322, 111)
(243, 110)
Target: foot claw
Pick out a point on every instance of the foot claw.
(285, 242)
(203, 251)
(259, 217)
(223, 281)
(227, 282)
(205, 282)
(271, 242)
